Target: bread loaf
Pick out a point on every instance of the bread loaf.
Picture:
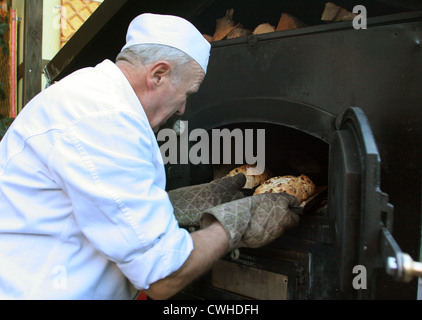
(301, 187)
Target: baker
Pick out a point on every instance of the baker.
(83, 209)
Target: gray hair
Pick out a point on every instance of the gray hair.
(152, 53)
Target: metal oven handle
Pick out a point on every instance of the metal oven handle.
(398, 264)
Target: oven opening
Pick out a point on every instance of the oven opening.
(288, 268)
(281, 150)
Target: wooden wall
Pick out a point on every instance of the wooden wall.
(5, 63)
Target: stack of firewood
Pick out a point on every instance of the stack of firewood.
(227, 28)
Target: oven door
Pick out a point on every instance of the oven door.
(360, 212)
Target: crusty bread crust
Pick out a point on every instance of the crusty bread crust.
(301, 187)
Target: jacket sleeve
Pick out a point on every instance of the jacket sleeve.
(107, 165)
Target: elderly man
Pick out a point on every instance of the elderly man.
(83, 209)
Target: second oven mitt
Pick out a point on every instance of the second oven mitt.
(255, 221)
(276, 214)
(189, 202)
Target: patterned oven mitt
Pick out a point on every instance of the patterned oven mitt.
(189, 202)
(255, 221)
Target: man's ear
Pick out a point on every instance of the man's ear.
(159, 73)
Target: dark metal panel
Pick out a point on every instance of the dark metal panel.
(356, 201)
(345, 202)
(303, 117)
(331, 67)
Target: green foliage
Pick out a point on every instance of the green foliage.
(4, 125)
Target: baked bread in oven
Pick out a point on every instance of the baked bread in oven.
(301, 187)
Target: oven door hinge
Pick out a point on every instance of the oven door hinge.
(398, 264)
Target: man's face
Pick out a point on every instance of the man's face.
(171, 98)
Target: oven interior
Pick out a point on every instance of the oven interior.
(288, 151)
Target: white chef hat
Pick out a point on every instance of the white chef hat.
(171, 31)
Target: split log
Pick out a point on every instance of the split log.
(264, 28)
(224, 25)
(239, 32)
(288, 22)
(334, 13)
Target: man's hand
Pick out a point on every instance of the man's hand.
(189, 202)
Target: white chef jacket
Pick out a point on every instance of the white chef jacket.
(83, 208)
